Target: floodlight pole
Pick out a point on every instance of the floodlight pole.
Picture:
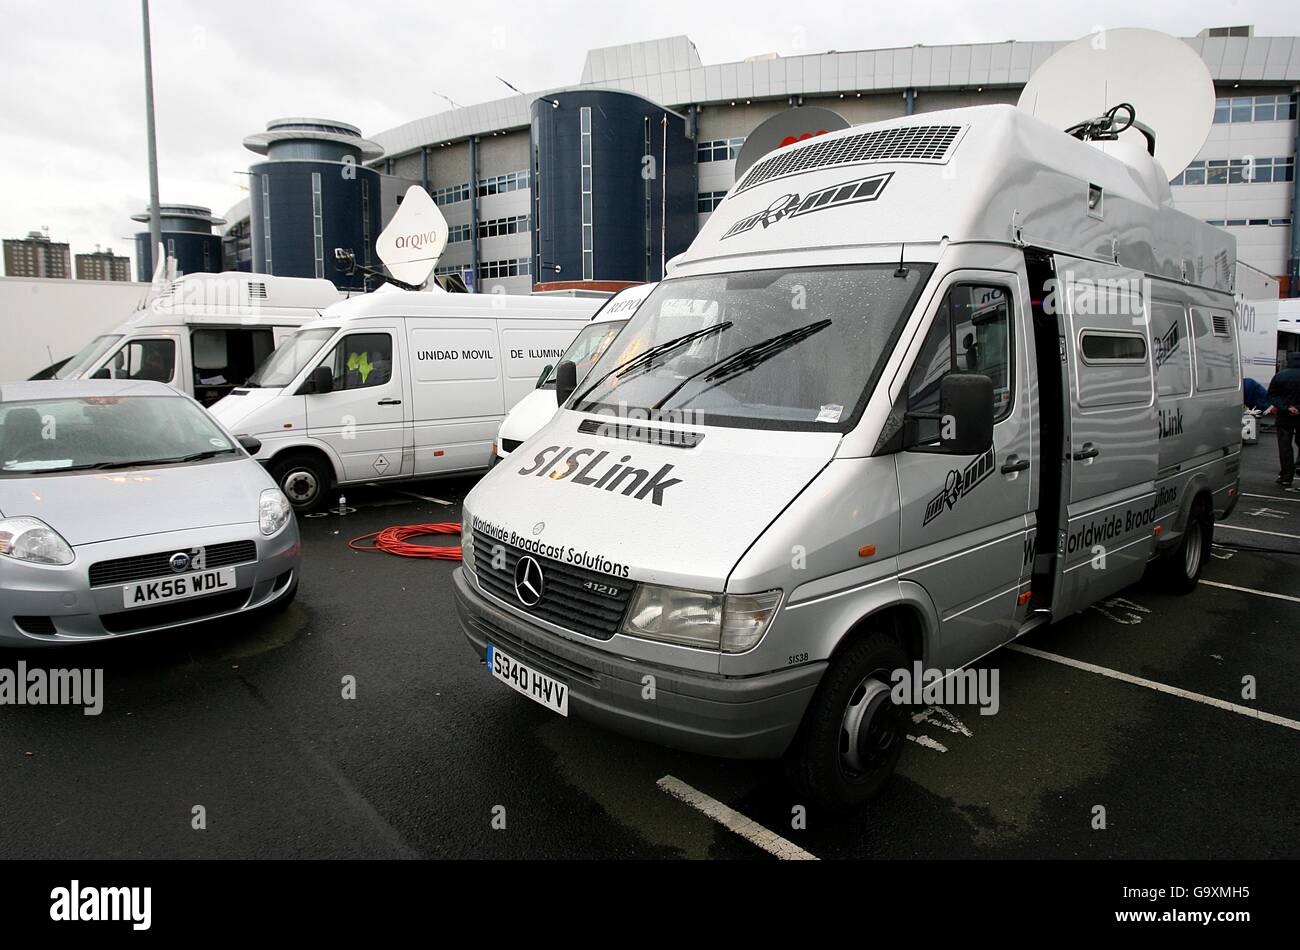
(155, 215)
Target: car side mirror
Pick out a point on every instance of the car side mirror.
(566, 381)
(542, 377)
(249, 444)
(965, 416)
(319, 382)
(102, 373)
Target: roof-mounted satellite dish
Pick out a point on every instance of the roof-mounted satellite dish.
(414, 239)
(1164, 80)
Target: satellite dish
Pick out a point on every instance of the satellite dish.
(414, 239)
(1164, 79)
(786, 128)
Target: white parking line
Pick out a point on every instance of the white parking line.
(1251, 590)
(436, 501)
(1237, 527)
(1158, 687)
(734, 821)
(1247, 494)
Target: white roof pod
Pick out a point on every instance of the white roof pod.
(982, 174)
(234, 295)
(393, 302)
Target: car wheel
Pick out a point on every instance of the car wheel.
(853, 732)
(304, 479)
(1180, 569)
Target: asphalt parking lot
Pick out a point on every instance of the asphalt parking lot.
(1135, 705)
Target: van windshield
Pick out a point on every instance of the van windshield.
(795, 349)
(88, 357)
(289, 358)
(587, 347)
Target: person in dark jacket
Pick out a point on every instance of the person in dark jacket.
(1284, 402)
(1254, 395)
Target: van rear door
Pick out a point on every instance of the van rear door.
(1111, 433)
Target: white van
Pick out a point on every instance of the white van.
(205, 333)
(917, 388)
(535, 410)
(397, 384)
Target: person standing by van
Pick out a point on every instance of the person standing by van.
(1284, 400)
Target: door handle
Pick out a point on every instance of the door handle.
(389, 402)
(1014, 463)
(1089, 451)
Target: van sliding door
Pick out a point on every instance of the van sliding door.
(1111, 441)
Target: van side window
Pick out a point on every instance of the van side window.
(1216, 360)
(1173, 348)
(146, 359)
(362, 360)
(971, 334)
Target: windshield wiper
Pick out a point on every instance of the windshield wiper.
(745, 359)
(643, 362)
(140, 463)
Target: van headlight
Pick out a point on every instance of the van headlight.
(274, 511)
(467, 540)
(732, 623)
(30, 539)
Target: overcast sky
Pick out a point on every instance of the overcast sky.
(73, 106)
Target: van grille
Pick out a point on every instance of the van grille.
(909, 143)
(127, 569)
(567, 600)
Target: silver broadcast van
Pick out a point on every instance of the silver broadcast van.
(917, 388)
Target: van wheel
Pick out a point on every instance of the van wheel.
(1180, 569)
(853, 731)
(303, 478)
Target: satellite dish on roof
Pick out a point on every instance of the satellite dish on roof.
(1164, 79)
(786, 128)
(414, 239)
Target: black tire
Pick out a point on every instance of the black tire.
(1179, 570)
(304, 478)
(819, 759)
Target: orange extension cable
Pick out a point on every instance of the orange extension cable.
(394, 540)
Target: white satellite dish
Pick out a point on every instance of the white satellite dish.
(414, 239)
(1164, 79)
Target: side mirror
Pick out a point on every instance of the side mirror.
(249, 444)
(965, 415)
(102, 373)
(566, 381)
(320, 381)
(546, 372)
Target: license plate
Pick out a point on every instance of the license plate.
(179, 587)
(538, 687)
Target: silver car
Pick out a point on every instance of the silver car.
(125, 508)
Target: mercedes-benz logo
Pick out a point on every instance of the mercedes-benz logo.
(528, 581)
(179, 561)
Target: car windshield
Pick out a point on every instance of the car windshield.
(88, 357)
(777, 349)
(587, 347)
(105, 432)
(289, 358)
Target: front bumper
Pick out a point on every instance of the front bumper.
(45, 603)
(753, 717)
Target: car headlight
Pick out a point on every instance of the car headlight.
(30, 539)
(732, 623)
(467, 539)
(274, 511)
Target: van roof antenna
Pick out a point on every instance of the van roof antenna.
(902, 268)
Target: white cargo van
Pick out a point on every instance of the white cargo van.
(916, 389)
(535, 410)
(204, 334)
(397, 384)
